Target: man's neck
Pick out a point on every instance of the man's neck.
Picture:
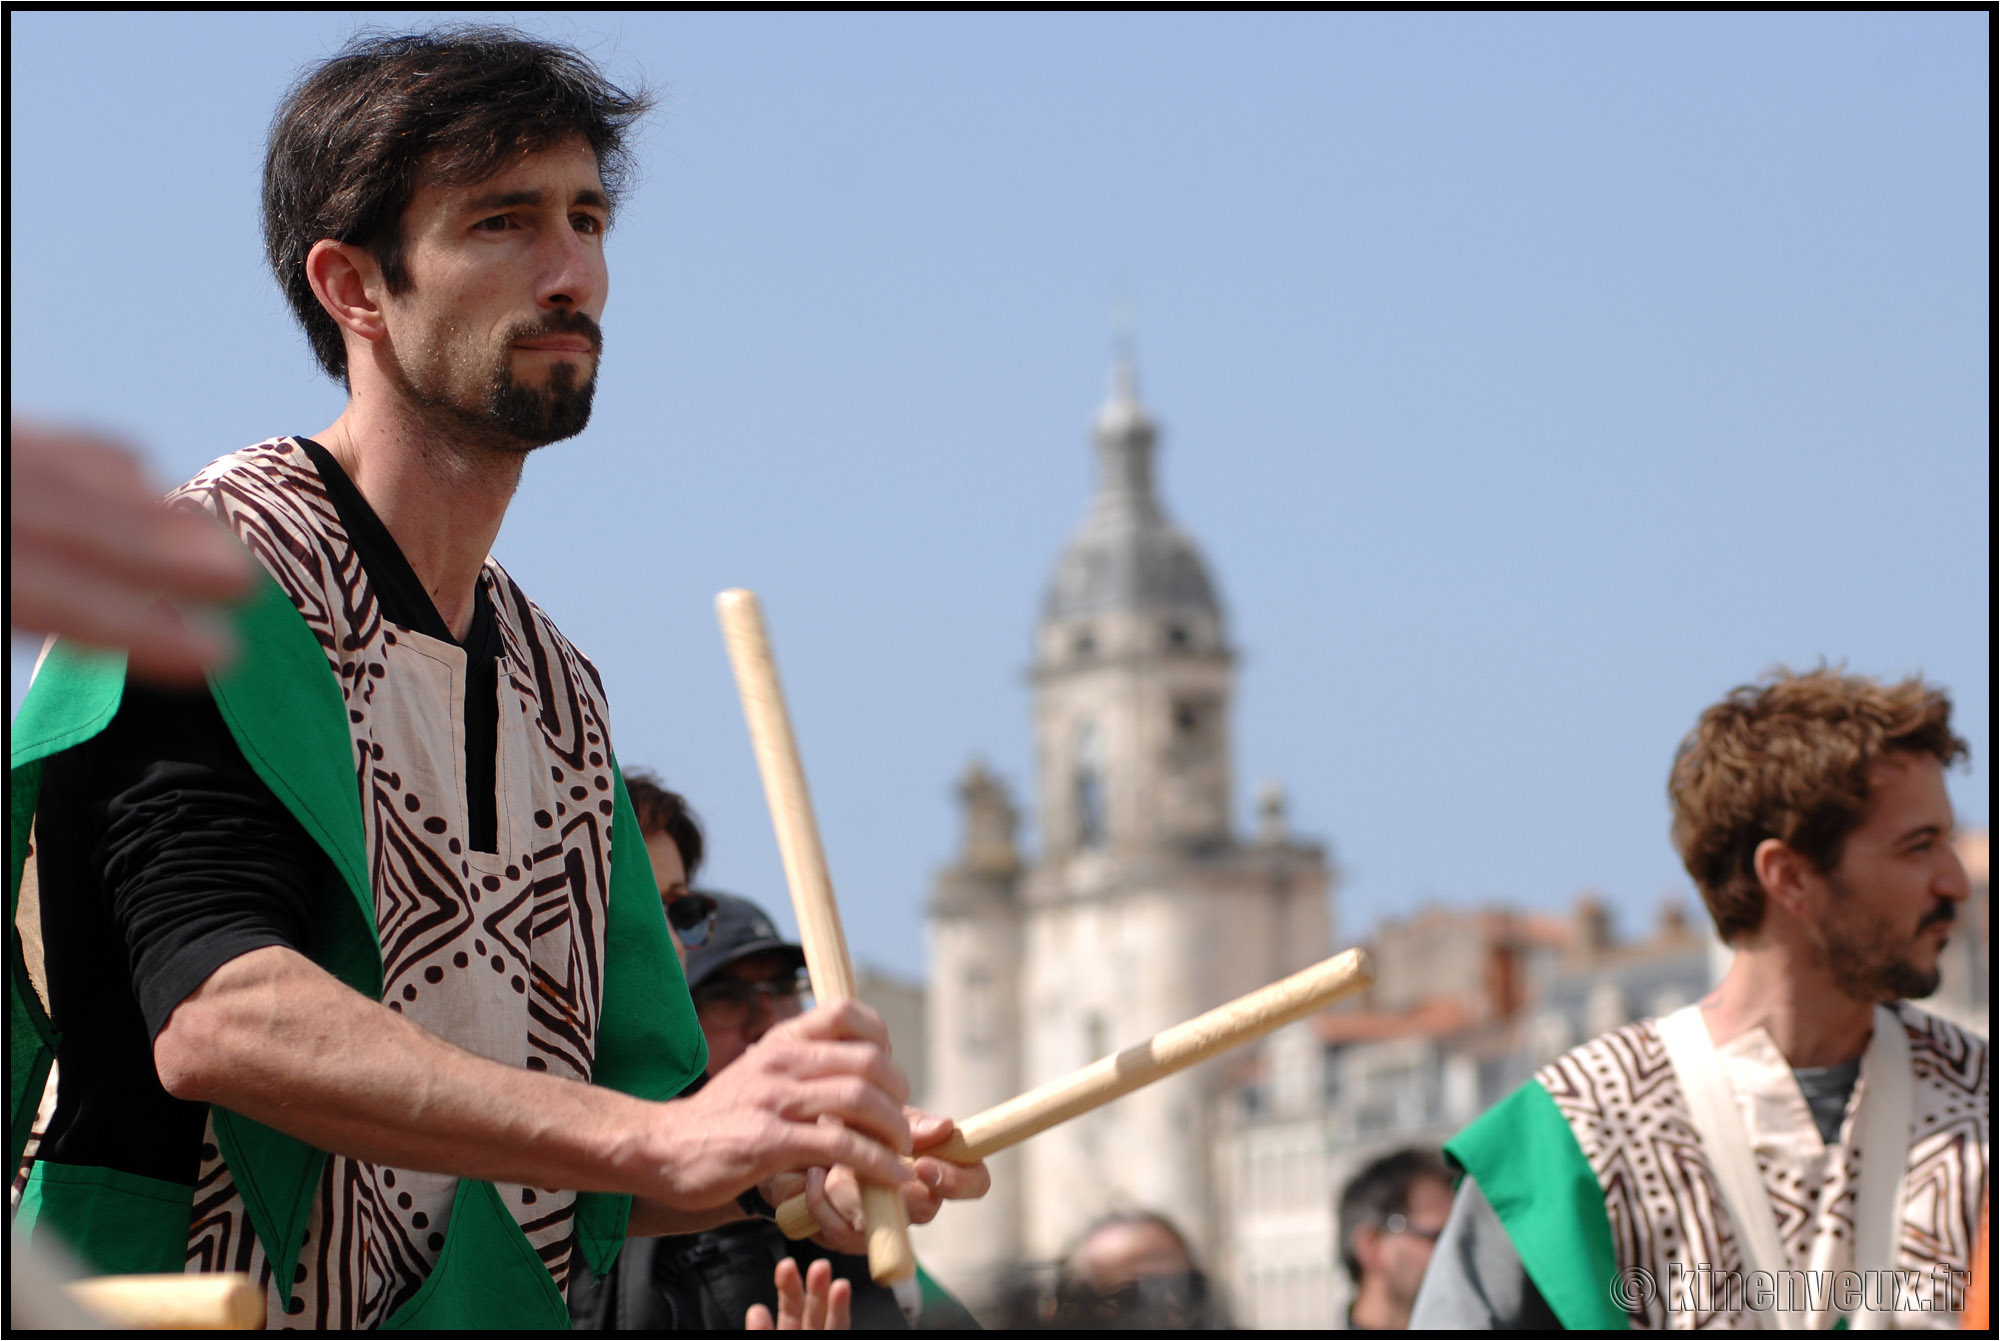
(1374, 1310)
(441, 501)
(1768, 987)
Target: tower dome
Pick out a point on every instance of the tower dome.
(1127, 558)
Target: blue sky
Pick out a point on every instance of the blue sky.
(1528, 381)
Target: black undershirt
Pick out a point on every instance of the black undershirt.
(163, 857)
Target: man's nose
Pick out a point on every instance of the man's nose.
(1953, 882)
(573, 276)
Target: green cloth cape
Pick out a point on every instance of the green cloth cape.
(1527, 1162)
(284, 707)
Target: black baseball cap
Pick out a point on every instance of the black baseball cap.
(742, 929)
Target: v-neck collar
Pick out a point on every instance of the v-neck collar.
(397, 586)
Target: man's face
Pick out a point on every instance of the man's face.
(1403, 1250)
(739, 1002)
(496, 338)
(1134, 1274)
(1888, 907)
(671, 873)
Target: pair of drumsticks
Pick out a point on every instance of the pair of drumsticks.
(888, 1230)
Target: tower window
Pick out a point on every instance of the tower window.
(1178, 637)
(1084, 645)
(1088, 777)
(980, 1025)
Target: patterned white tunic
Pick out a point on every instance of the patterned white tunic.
(499, 952)
(1625, 1106)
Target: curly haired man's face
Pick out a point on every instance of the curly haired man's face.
(1888, 908)
(498, 333)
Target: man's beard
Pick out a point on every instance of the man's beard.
(1870, 962)
(497, 410)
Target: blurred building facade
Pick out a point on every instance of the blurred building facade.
(1143, 907)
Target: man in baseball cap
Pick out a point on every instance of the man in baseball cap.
(744, 978)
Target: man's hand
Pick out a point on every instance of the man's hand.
(92, 555)
(834, 1197)
(818, 1090)
(820, 1306)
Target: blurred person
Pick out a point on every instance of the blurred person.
(1133, 1271)
(92, 556)
(675, 846)
(359, 938)
(1391, 1212)
(746, 979)
(1801, 1121)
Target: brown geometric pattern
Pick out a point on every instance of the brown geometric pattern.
(1626, 1109)
(500, 953)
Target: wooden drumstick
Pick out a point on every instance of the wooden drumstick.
(1113, 1077)
(221, 1302)
(889, 1256)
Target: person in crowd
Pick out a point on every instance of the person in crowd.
(352, 956)
(1390, 1215)
(1801, 1125)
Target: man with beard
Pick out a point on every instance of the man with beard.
(354, 961)
(1802, 1146)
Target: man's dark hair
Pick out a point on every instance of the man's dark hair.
(662, 811)
(357, 135)
(1382, 1189)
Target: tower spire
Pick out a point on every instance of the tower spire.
(1125, 432)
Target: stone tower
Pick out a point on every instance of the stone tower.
(1143, 908)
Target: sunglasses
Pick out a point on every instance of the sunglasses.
(692, 916)
(729, 1002)
(1399, 1224)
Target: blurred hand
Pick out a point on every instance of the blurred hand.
(939, 1180)
(814, 1091)
(91, 555)
(820, 1305)
(834, 1197)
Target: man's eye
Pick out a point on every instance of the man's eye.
(497, 224)
(588, 223)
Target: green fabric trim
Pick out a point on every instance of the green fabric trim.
(1527, 1162)
(75, 694)
(284, 708)
(649, 1043)
(116, 1223)
(487, 1278)
(31, 1037)
(942, 1312)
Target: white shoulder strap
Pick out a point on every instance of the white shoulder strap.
(1720, 1125)
(1882, 1136)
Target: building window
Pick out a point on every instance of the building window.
(979, 1012)
(1088, 776)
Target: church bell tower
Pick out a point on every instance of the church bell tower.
(1143, 907)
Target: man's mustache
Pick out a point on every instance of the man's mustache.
(1943, 915)
(560, 322)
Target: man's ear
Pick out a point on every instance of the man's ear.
(1785, 875)
(348, 283)
(1367, 1247)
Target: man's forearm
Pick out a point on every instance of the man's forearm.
(272, 1036)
